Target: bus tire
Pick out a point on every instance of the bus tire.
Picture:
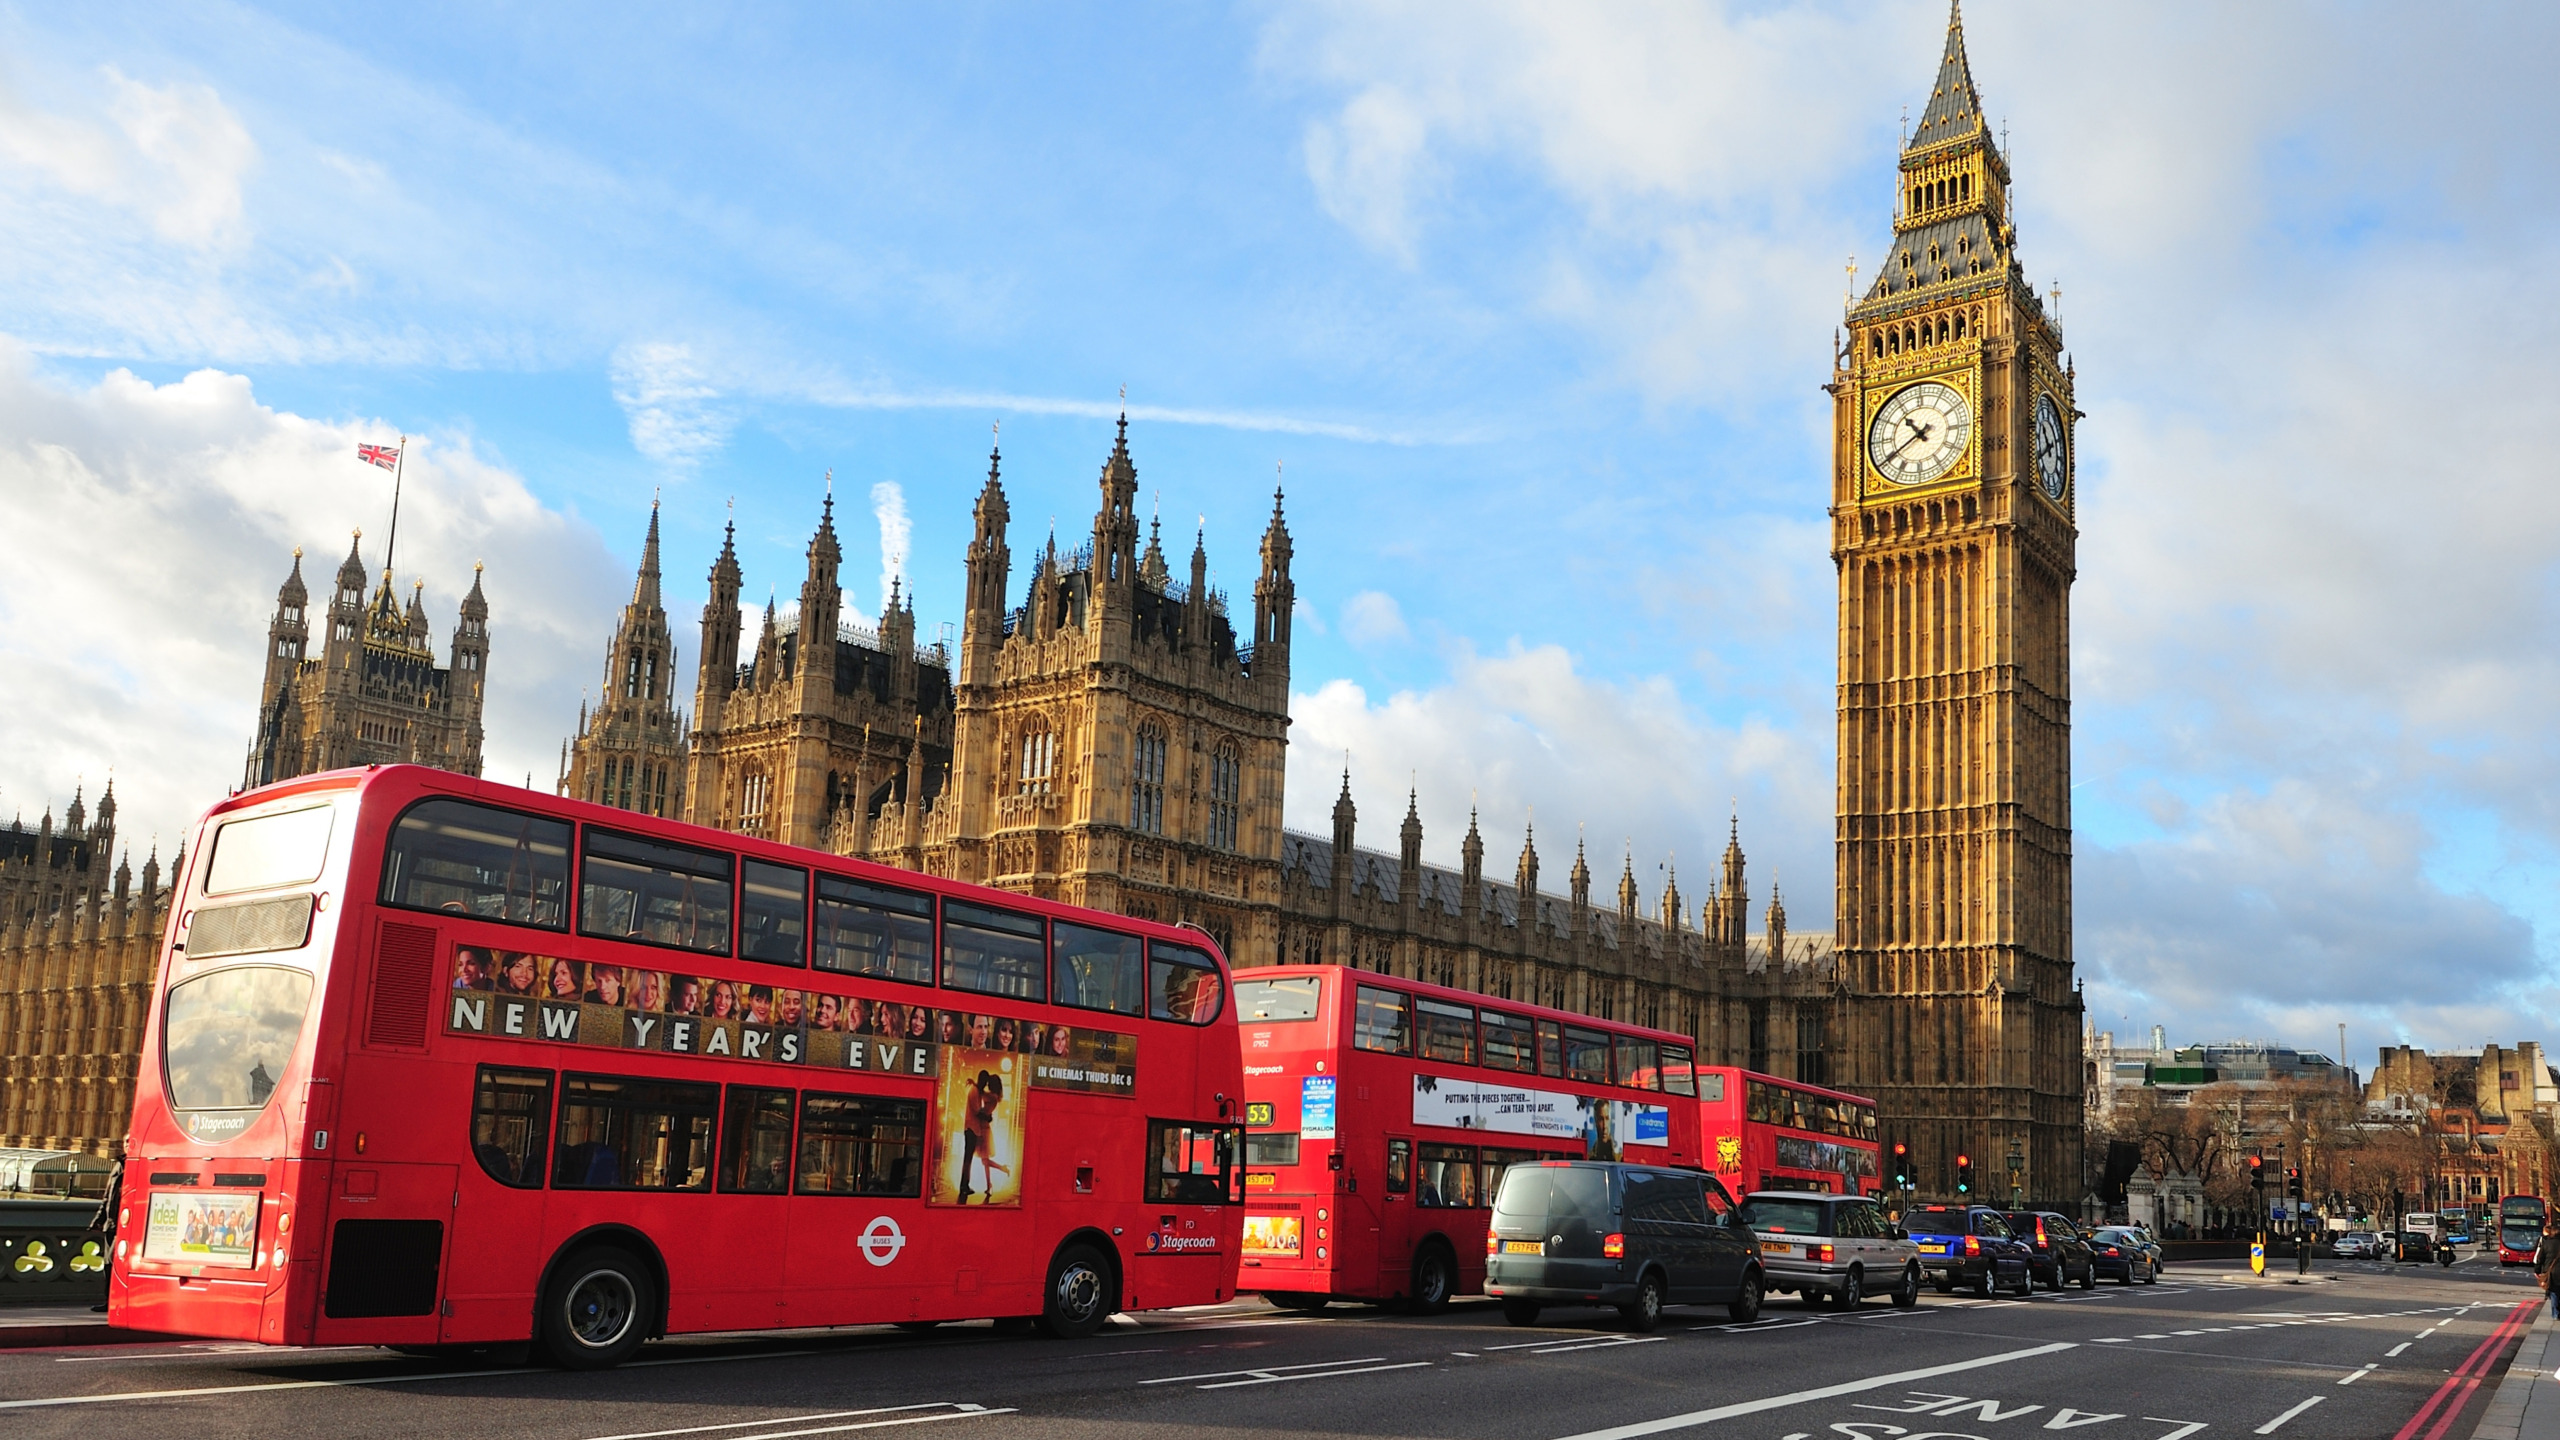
(1520, 1312)
(596, 1310)
(1435, 1279)
(1079, 1294)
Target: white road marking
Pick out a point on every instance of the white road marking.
(1757, 1326)
(2350, 1380)
(1581, 1345)
(1550, 1340)
(962, 1414)
(2112, 1340)
(182, 1393)
(216, 1352)
(1276, 1374)
(1317, 1375)
(2396, 1349)
(2271, 1426)
(788, 1420)
(1825, 1392)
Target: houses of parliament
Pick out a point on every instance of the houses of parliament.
(1112, 731)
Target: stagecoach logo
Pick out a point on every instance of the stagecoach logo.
(1728, 1153)
(882, 1240)
(1165, 1242)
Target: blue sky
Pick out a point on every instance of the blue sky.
(1530, 302)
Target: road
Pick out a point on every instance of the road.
(2209, 1352)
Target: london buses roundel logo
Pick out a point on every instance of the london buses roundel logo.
(882, 1240)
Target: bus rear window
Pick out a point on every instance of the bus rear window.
(1271, 1149)
(476, 860)
(269, 850)
(655, 893)
(1294, 998)
(1194, 1164)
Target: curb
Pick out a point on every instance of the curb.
(73, 1332)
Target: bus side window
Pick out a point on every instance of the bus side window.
(477, 860)
(1399, 1166)
(773, 917)
(1194, 1164)
(1098, 969)
(1586, 1055)
(1379, 1021)
(994, 952)
(1550, 1049)
(1183, 984)
(1448, 1031)
(655, 893)
(1637, 1064)
(623, 1133)
(861, 1145)
(755, 1142)
(1679, 1074)
(866, 929)
(511, 1124)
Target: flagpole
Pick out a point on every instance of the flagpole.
(399, 457)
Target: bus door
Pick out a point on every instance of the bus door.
(390, 1228)
(755, 1173)
(1395, 1221)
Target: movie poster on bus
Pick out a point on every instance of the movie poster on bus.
(203, 1230)
(1068, 1057)
(978, 1128)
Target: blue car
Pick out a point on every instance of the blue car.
(1970, 1248)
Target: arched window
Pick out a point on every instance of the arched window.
(1039, 762)
(752, 799)
(1146, 782)
(1226, 791)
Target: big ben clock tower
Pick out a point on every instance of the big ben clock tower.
(1951, 525)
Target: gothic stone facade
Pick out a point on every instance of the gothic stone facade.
(1115, 741)
(630, 749)
(374, 695)
(77, 949)
(1952, 529)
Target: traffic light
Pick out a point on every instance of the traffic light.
(2293, 1182)
(2257, 1172)
(1901, 1166)
(1964, 1174)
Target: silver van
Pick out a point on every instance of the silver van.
(1639, 1237)
(1837, 1249)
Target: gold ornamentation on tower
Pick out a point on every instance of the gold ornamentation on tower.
(1952, 530)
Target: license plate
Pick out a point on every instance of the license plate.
(1524, 1247)
(1774, 1247)
(1933, 1249)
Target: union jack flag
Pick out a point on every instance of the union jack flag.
(386, 456)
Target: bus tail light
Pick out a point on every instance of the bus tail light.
(1972, 1246)
(1615, 1247)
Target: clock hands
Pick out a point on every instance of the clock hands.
(1919, 432)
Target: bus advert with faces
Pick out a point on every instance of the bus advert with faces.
(539, 997)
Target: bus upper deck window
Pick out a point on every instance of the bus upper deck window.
(1381, 1020)
(994, 952)
(1448, 1032)
(262, 851)
(1679, 1071)
(655, 893)
(1637, 1064)
(773, 913)
(866, 929)
(1510, 1042)
(481, 861)
(1183, 984)
(1586, 1055)
(1099, 970)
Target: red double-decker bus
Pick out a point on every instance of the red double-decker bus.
(1764, 1133)
(433, 1062)
(1381, 1113)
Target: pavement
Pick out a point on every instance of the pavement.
(2527, 1403)
(2359, 1352)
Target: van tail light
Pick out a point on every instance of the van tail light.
(1972, 1245)
(1822, 1253)
(1492, 1243)
(1615, 1247)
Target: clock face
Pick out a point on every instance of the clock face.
(2053, 462)
(1920, 434)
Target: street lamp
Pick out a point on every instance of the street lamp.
(2017, 1174)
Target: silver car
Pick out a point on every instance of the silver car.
(1834, 1249)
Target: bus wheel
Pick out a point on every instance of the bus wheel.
(596, 1311)
(1520, 1312)
(1079, 1296)
(1435, 1279)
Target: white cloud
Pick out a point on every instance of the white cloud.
(1366, 164)
(897, 532)
(151, 525)
(1525, 730)
(174, 154)
(666, 397)
(1373, 618)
